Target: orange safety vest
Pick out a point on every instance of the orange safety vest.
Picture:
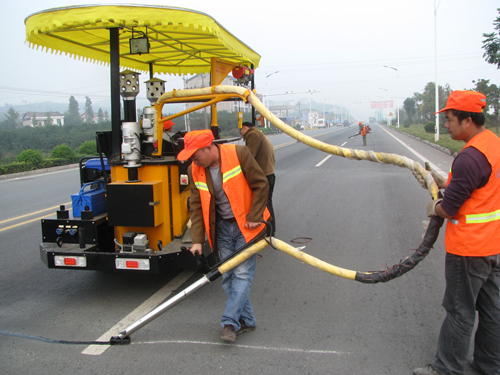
(475, 229)
(235, 186)
(363, 130)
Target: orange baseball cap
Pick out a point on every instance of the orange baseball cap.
(195, 140)
(168, 124)
(464, 100)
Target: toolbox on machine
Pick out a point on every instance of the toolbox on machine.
(94, 199)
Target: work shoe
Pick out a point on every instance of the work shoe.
(427, 370)
(475, 366)
(228, 333)
(244, 328)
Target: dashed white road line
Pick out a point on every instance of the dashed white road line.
(322, 161)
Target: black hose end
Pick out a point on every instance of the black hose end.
(117, 340)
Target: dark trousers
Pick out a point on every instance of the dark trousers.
(472, 283)
(271, 179)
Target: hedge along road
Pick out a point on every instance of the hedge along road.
(359, 214)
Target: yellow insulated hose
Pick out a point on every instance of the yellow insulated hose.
(401, 161)
(378, 157)
(290, 250)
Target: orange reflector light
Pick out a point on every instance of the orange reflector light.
(69, 261)
(136, 264)
(132, 264)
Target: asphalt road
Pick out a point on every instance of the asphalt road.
(360, 215)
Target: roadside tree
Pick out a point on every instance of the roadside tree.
(491, 44)
(88, 148)
(492, 109)
(62, 152)
(89, 112)
(72, 115)
(410, 108)
(30, 157)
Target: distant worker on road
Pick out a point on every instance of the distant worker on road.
(263, 151)
(364, 131)
(471, 203)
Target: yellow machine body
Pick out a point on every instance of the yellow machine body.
(162, 215)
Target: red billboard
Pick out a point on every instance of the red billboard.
(383, 104)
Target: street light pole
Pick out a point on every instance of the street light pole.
(396, 69)
(436, 135)
(324, 118)
(267, 94)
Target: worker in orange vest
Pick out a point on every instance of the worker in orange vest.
(228, 202)
(471, 203)
(363, 131)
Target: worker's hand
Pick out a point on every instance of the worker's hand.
(440, 181)
(251, 225)
(196, 248)
(431, 207)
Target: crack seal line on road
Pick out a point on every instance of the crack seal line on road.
(306, 351)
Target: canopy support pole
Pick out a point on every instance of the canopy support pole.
(114, 62)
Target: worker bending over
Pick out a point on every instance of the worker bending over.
(228, 201)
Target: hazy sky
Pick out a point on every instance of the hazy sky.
(338, 48)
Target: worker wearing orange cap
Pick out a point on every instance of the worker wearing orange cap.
(471, 203)
(228, 202)
(363, 131)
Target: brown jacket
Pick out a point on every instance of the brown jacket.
(257, 182)
(261, 149)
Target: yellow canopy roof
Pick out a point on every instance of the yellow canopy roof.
(182, 41)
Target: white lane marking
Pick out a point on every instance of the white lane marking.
(240, 346)
(433, 166)
(139, 312)
(343, 144)
(322, 161)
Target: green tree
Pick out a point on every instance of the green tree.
(48, 120)
(89, 112)
(100, 116)
(410, 108)
(62, 152)
(12, 119)
(428, 97)
(88, 148)
(30, 157)
(491, 44)
(72, 115)
(492, 93)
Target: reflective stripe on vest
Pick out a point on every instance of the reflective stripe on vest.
(483, 218)
(201, 185)
(231, 174)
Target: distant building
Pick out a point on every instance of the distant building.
(41, 118)
(203, 80)
(282, 110)
(310, 118)
(83, 117)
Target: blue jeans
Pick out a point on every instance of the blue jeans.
(472, 283)
(236, 283)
